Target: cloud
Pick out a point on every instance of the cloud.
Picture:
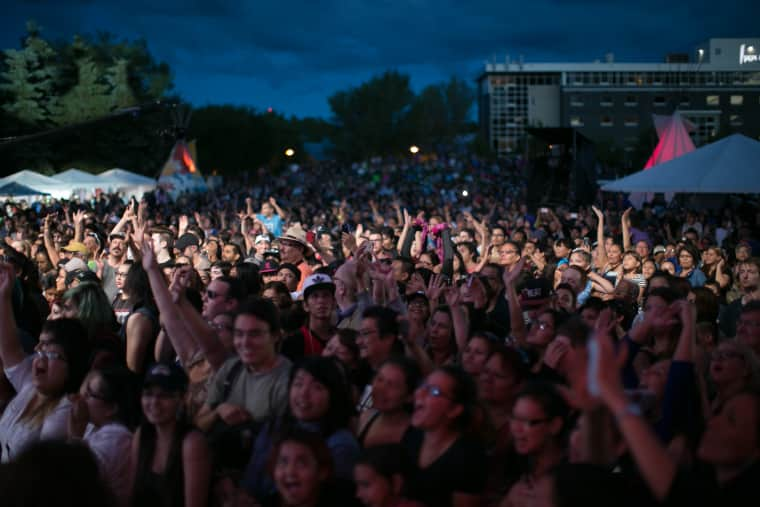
(294, 54)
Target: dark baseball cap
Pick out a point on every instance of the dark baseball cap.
(168, 376)
(535, 292)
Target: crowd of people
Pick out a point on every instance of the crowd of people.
(391, 334)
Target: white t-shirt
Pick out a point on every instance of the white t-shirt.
(111, 446)
(15, 434)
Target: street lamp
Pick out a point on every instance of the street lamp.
(290, 152)
(414, 149)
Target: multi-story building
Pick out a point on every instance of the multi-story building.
(717, 89)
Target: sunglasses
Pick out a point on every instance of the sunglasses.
(50, 355)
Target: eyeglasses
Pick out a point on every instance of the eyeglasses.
(434, 391)
(531, 423)
(122, 274)
(50, 355)
(212, 294)
(505, 252)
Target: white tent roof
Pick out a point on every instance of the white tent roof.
(39, 182)
(77, 177)
(126, 177)
(728, 166)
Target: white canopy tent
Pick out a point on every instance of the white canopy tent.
(132, 184)
(728, 166)
(37, 181)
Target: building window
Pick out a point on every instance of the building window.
(659, 101)
(606, 121)
(576, 101)
(735, 120)
(631, 121)
(576, 121)
(737, 100)
(631, 101)
(713, 100)
(606, 101)
(685, 102)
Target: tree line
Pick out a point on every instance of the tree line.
(76, 91)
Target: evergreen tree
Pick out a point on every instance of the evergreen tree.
(117, 76)
(30, 79)
(86, 100)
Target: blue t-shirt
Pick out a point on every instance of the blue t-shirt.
(273, 224)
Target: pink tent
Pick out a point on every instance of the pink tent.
(673, 132)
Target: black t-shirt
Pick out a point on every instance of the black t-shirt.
(462, 468)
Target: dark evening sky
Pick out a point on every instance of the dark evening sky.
(292, 55)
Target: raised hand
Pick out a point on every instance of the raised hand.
(555, 352)
(78, 216)
(626, 217)
(148, 256)
(598, 213)
(435, 288)
(183, 223)
(452, 296)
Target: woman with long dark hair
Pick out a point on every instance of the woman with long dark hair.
(392, 391)
(141, 326)
(170, 461)
(40, 408)
(538, 429)
(444, 408)
(319, 401)
(104, 415)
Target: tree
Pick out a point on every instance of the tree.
(86, 100)
(369, 119)
(44, 85)
(30, 79)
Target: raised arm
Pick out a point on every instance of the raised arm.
(625, 223)
(278, 209)
(654, 463)
(11, 352)
(129, 212)
(601, 252)
(47, 237)
(458, 316)
(78, 217)
(172, 320)
(517, 324)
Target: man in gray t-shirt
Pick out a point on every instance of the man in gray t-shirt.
(252, 385)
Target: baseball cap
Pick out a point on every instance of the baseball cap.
(269, 267)
(658, 249)
(167, 376)
(86, 275)
(186, 240)
(317, 281)
(75, 246)
(75, 264)
(535, 292)
(416, 295)
(261, 238)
